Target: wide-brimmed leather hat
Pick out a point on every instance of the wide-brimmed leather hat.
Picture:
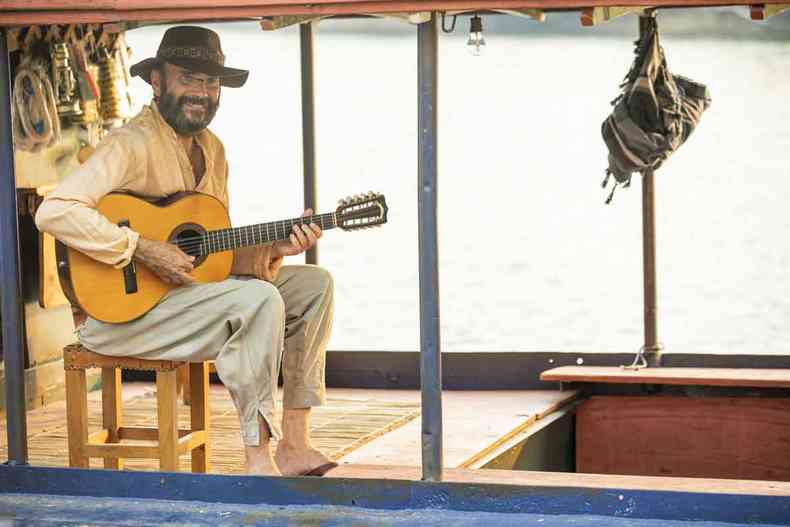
(196, 49)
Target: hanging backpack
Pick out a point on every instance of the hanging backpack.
(655, 113)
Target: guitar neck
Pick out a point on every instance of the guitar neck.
(261, 233)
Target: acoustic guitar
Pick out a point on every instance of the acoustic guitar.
(199, 225)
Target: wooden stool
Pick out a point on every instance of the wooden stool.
(182, 381)
(106, 443)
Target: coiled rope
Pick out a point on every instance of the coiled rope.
(34, 110)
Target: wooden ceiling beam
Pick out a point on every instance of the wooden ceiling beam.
(227, 10)
(593, 16)
(763, 11)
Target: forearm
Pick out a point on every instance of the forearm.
(166, 260)
(69, 211)
(144, 251)
(83, 228)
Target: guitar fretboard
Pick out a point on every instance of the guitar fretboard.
(238, 237)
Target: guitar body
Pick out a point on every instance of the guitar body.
(102, 291)
(199, 225)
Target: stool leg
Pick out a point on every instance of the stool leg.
(77, 417)
(112, 411)
(183, 384)
(200, 414)
(167, 410)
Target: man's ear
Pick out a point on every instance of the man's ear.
(156, 81)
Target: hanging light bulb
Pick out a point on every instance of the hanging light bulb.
(476, 40)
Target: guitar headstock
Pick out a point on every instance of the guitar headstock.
(361, 211)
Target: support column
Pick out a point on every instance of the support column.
(11, 302)
(652, 348)
(430, 348)
(308, 127)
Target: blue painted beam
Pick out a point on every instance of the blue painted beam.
(12, 318)
(28, 510)
(398, 495)
(428, 242)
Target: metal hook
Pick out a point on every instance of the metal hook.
(639, 361)
(452, 27)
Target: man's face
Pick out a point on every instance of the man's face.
(188, 100)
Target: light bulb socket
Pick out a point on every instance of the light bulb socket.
(476, 25)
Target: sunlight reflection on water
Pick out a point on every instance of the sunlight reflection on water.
(530, 257)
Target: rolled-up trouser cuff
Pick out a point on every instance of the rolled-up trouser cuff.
(251, 432)
(303, 397)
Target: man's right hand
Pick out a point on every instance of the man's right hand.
(167, 261)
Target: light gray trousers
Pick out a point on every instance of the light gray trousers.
(245, 325)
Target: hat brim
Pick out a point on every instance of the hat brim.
(230, 77)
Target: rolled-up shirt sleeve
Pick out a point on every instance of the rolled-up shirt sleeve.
(69, 211)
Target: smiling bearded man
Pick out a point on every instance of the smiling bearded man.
(244, 323)
(186, 114)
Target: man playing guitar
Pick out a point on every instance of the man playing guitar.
(245, 323)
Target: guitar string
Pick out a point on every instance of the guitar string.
(220, 244)
(220, 241)
(222, 236)
(237, 234)
(283, 223)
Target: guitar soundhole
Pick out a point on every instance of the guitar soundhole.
(187, 237)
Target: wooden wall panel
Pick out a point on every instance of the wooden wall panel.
(712, 437)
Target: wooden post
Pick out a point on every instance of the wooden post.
(112, 411)
(77, 417)
(167, 411)
(652, 348)
(200, 414)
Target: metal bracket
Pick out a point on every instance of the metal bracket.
(273, 23)
(639, 361)
(763, 11)
(593, 16)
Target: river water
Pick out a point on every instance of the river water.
(530, 257)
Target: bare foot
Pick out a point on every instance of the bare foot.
(260, 462)
(296, 460)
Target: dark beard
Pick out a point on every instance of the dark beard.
(172, 111)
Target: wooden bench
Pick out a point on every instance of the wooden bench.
(739, 377)
(694, 422)
(171, 442)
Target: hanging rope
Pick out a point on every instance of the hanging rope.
(34, 111)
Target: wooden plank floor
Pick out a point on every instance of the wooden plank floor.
(474, 422)
(361, 426)
(347, 421)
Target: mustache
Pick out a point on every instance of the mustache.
(194, 99)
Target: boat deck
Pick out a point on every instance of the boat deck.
(376, 436)
(359, 426)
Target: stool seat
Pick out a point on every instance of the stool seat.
(76, 357)
(171, 442)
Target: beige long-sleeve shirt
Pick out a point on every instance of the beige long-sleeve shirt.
(144, 157)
